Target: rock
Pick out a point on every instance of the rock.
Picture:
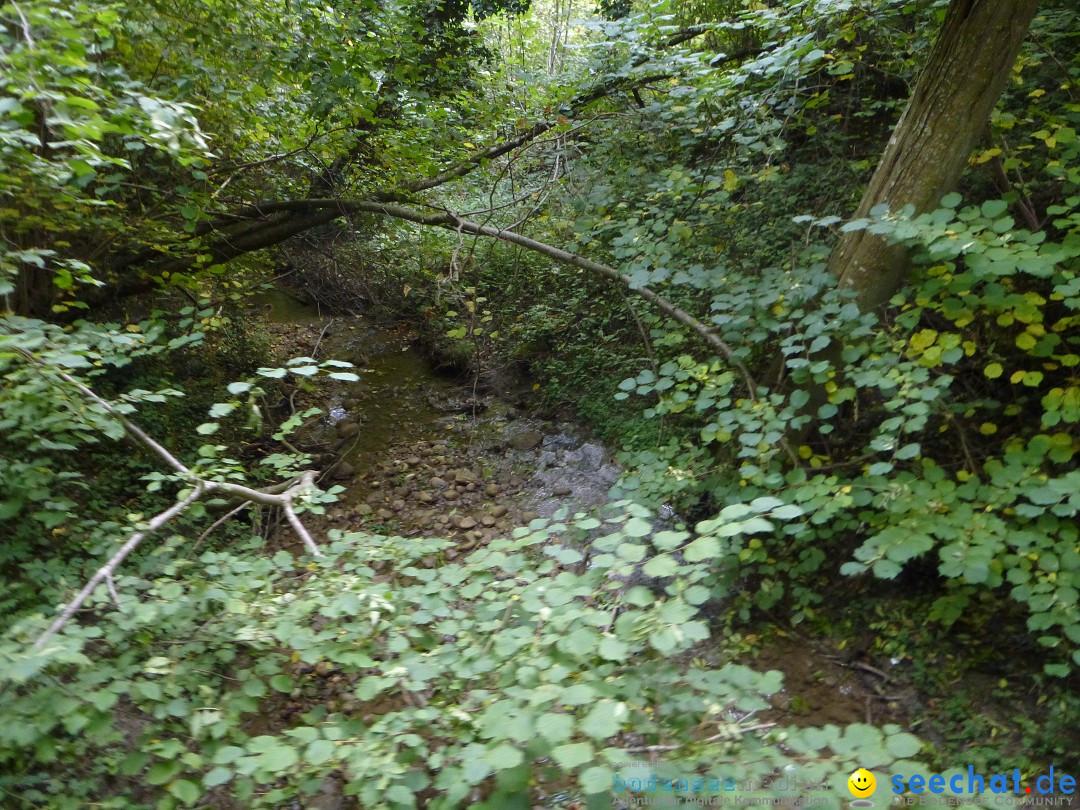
(488, 520)
(412, 461)
(560, 441)
(438, 483)
(424, 496)
(344, 469)
(384, 514)
(499, 511)
(588, 457)
(526, 440)
(398, 505)
(346, 429)
(491, 490)
(529, 517)
(467, 522)
(451, 495)
(561, 490)
(464, 476)
(608, 474)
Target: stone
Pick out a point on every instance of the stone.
(491, 490)
(384, 514)
(347, 428)
(451, 495)
(526, 440)
(397, 505)
(464, 476)
(412, 461)
(438, 483)
(344, 469)
(467, 522)
(488, 520)
(424, 496)
(561, 490)
(499, 511)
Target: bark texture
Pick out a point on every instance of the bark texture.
(964, 77)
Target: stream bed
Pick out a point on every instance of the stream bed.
(424, 454)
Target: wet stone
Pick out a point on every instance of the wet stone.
(346, 429)
(526, 440)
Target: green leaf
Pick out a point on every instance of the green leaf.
(318, 751)
(185, 791)
(206, 428)
(162, 771)
(662, 565)
(217, 776)
(277, 759)
(704, 548)
(903, 746)
(503, 757)
(573, 755)
(596, 780)
(555, 727)
(604, 719)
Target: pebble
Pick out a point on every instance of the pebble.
(560, 490)
(438, 483)
(488, 520)
(491, 490)
(467, 522)
(499, 511)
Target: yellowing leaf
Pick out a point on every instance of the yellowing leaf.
(993, 371)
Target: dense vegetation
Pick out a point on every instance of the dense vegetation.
(814, 265)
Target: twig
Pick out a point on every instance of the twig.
(217, 523)
(723, 735)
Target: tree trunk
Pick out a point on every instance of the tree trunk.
(968, 69)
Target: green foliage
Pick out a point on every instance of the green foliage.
(469, 682)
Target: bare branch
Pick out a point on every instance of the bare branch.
(107, 569)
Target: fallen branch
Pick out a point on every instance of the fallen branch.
(107, 569)
(283, 495)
